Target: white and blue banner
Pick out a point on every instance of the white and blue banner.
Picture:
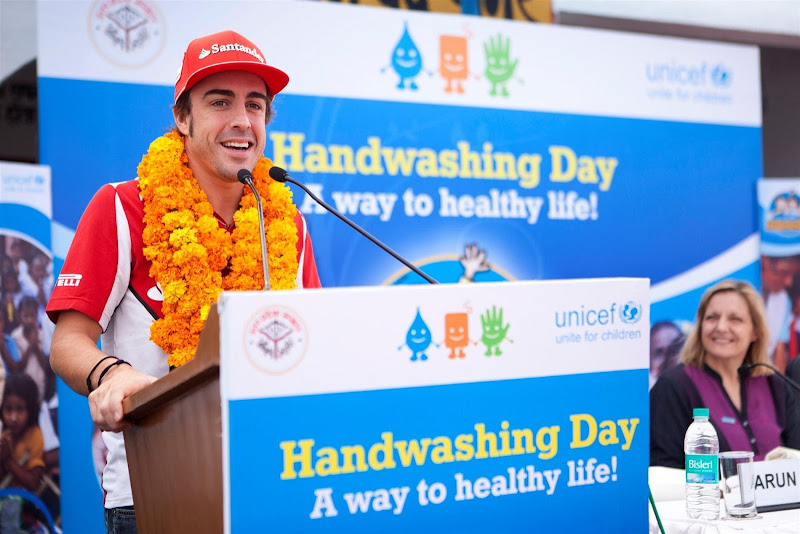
(26, 279)
(598, 157)
(452, 409)
(479, 149)
(27, 207)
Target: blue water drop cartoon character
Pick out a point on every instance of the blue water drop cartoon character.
(406, 61)
(418, 338)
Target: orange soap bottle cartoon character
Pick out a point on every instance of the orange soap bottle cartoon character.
(456, 333)
(453, 64)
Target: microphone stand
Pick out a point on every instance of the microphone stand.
(280, 175)
(246, 178)
(788, 380)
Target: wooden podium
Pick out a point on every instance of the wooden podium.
(174, 447)
(394, 410)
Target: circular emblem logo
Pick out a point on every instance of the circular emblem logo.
(630, 312)
(275, 340)
(128, 33)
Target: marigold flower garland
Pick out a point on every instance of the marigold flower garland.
(189, 251)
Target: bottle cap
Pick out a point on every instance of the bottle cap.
(700, 412)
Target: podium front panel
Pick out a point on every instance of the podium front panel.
(482, 407)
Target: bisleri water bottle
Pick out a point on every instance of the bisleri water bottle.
(701, 446)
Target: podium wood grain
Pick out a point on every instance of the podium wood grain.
(174, 447)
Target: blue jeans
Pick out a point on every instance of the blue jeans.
(120, 520)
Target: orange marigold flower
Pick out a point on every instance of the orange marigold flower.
(189, 252)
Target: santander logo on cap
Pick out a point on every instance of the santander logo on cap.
(216, 48)
(224, 51)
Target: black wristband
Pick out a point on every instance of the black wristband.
(107, 369)
(89, 377)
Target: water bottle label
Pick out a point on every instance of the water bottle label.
(702, 469)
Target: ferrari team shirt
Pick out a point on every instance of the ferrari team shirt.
(106, 277)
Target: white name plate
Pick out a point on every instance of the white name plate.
(777, 483)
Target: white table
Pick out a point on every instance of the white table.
(673, 517)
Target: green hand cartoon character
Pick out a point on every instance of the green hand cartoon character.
(493, 330)
(499, 67)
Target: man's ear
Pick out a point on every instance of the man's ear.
(182, 119)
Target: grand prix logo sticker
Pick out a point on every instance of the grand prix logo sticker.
(275, 340)
(128, 33)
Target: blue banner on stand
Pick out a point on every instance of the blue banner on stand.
(417, 460)
(453, 432)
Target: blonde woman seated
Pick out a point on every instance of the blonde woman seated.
(751, 411)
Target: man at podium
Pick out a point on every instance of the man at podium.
(151, 255)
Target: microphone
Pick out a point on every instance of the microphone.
(745, 369)
(280, 175)
(246, 178)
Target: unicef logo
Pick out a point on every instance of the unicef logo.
(630, 312)
(720, 76)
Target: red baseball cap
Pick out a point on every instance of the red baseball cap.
(226, 51)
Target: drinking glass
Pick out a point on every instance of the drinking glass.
(738, 483)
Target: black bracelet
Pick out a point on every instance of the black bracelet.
(89, 378)
(118, 362)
